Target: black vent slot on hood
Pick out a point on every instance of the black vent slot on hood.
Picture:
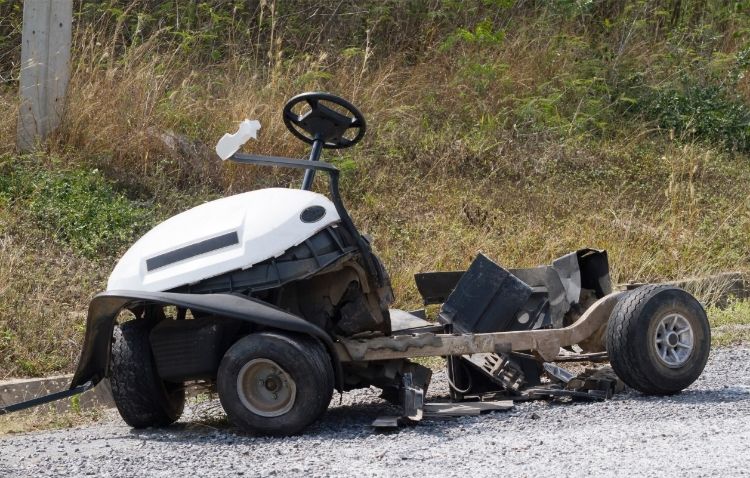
(203, 247)
(319, 251)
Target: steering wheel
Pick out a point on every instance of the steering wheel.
(330, 119)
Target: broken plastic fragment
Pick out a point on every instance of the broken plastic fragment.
(231, 143)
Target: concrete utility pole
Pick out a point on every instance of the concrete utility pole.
(45, 68)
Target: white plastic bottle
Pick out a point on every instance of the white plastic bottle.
(231, 143)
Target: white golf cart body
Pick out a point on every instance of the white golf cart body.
(227, 234)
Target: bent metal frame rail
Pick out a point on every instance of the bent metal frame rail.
(545, 343)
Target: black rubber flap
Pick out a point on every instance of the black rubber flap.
(594, 267)
(435, 287)
(486, 299)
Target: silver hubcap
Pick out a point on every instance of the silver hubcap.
(265, 388)
(673, 340)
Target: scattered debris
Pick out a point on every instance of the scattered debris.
(444, 410)
(597, 379)
(558, 373)
(465, 408)
(593, 384)
(387, 421)
(556, 393)
(413, 398)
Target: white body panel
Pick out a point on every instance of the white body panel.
(267, 223)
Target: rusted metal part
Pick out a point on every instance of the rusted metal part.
(596, 342)
(546, 343)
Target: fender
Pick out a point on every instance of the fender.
(93, 365)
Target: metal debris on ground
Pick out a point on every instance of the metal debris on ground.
(558, 373)
(442, 409)
(413, 398)
(388, 421)
(597, 379)
(557, 393)
(593, 384)
(500, 368)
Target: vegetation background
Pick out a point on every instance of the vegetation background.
(524, 129)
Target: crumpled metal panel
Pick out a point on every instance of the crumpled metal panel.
(486, 299)
(570, 275)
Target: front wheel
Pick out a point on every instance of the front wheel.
(658, 339)
(275, 384)
(141, 396)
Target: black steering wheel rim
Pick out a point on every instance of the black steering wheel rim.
(323, 123)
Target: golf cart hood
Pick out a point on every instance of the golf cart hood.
(228, 234)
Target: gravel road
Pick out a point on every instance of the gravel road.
(703, 431)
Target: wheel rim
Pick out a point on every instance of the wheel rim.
(673, 340)
(265, 388)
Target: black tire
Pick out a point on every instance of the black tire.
(631, 339)
(304, 360)
(141, 397)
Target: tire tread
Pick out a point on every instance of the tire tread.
(139, 394)
(627, 360)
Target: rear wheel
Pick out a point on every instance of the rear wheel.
(141, 397)
(275, 384)
(658, 339)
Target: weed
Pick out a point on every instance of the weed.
(703, 112)
(731, 324)
(42, 418)
(76, 207)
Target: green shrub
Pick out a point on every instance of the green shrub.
(703, 112)
(77, 207)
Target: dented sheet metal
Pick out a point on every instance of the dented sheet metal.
(570, 275)
(439, 410)
(465, 408)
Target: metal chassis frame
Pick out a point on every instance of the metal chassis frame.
(544, 343)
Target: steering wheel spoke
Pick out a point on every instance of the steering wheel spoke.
(323, 122)
(291, 116)
(345, 142)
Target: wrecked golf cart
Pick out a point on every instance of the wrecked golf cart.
(273, 298)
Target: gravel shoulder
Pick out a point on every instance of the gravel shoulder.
(703, 431)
